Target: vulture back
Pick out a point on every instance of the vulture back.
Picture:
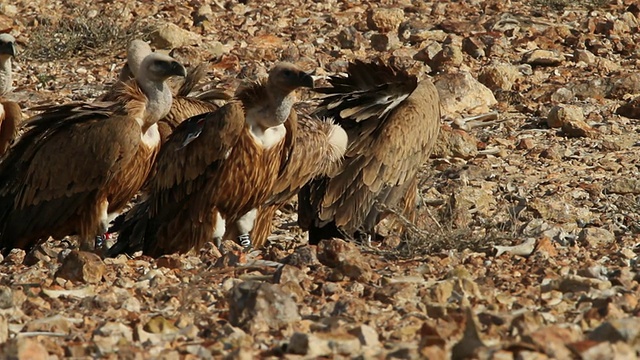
(392, 121)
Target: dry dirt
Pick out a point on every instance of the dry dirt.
(527, 243)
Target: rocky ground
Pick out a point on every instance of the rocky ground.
(527, 243)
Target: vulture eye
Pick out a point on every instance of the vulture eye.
(288, 73)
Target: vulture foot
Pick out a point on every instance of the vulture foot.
(244, 240)
(98, 245)
(101, 241)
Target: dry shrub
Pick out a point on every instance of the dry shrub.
(80, 32)
(570, 4)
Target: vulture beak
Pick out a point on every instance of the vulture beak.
(306, 80)
(8, 48)
(175, 68)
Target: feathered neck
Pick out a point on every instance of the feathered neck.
(281, 102)
(5, 74)
(159, 99)
(268, 105)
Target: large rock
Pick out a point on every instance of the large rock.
(257, 307)
(542, 57)
(460, 92)
(345, 258)
(82, 266)
(323, 344)
(23, 348)
(453, 143)
(168, 36)
(596, 237)
(385, 19)
(500, 76)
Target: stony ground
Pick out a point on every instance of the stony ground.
(527, 243)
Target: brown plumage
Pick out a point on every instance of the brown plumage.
(393, 123)
(78, 164)
(10, 114)
(318, 149)
(215, 170)
(185, 106)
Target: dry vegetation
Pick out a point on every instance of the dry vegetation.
(527, 242)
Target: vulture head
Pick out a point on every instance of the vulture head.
(153, 71)
(7, 46)
(157, 68)
(283, 79)
(286, 77)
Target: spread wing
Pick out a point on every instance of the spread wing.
(392, 124)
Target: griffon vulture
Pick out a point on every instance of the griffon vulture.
(317, 150)
(184, 106)
(77, 164)
(392, 121)
(216, 169)
(10, 114)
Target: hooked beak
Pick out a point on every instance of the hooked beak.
(8, 48)
(177, 69)
(306, 80)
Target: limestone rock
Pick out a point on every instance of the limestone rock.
(323, 344)
(596, 237)
(257, 307)
(81, 266)
(460, 92)
(168, 36)
(385, 19)
(500, 76)
(542, 57)
(345, 258)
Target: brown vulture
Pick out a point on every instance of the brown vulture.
(392, 121)
(216, 169)
(184, 106)
(78, 164)
(318, 149)
(10, 114)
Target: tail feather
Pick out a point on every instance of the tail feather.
(369, 90)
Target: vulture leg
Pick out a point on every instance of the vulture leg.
(101, 242)
(220, 229)
(96, 241)
(245, 225)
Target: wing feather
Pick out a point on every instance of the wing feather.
(392, 123)
(182, 173)
(46, 185)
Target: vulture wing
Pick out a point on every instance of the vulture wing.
(392, 123)
(45, 183)
(187, 162)
(317, 150)
(186, 105)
